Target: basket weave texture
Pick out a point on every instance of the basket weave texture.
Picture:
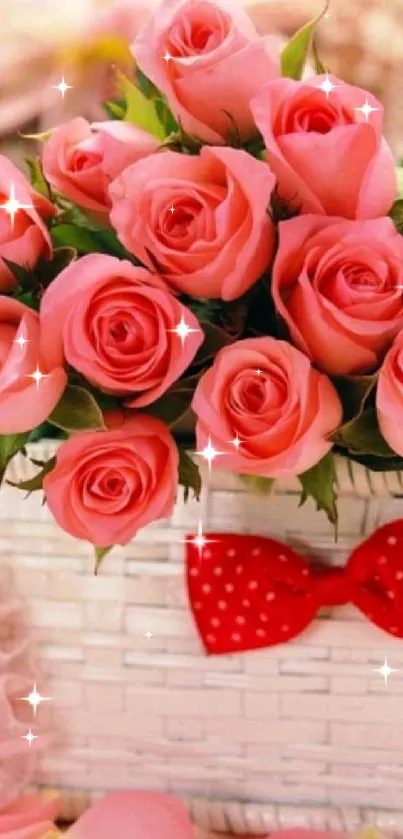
(304, 733)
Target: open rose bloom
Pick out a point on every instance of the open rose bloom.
(217, 266)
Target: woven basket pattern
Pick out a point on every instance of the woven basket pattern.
(302, 733)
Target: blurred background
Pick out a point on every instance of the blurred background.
(45, 41)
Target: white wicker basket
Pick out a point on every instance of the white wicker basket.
(304, 733)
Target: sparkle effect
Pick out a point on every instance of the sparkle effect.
(12, 206)
(34, 698)
(327, 86)
(172, 209)
(62, 87)
(29, 737)
(148, 635)
(209, 453)
(167, 57)
(366, 109)
(183, 330)
(236, 442)
(200, 540)
(37, 376)
(385, 671)
(259, 372)
(21, 341)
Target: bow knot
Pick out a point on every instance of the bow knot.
(249, 591)
(333, 586)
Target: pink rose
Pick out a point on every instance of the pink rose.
(30, 817)
(25, 402)
(114, 323)
(265, 395)
(202, 220)
(327, 157)
(138, 814)
(24, 237)
(389, 396)
(209, 61)
(336, 285)
(106, 485)
(80, 160)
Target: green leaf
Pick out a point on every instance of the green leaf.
(100, 553)
(35, 483)
(139, 110)
(257, 483)
(37, 177)
(319, 483)
(77, 411)
(355, 392)
(294, 55)
(215, 339)
(113, 109)
(399, 176)
(84, 241)
(172, 406)
(374, 463)
(362, 435)
(320, 69)
(149, 89)
(24, 276)
(189, 475)
(396, 214)
(10, 445)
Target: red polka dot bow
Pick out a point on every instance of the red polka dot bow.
(248, 592)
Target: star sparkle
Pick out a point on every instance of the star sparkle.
(37, 376)
(236, 442)
(259, 372)
(385, 671)
(366, 109)
(21, 341)
(327, 86)
(29, 737)
(148, 634)
(12, 205)
(183, 330)
(200, 541)
(172, 209)
(167, 57)
(34, 699)
(209, 453)
(62, 87)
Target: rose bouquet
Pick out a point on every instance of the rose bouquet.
(217, 267)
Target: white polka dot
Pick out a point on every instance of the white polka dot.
(206, 588)
(236, 636)
(197, 605)
(215, 622)
(229, 587)
(270, 596)
(240, 620)
(252, 585)
(261, 633)
(194, 572)
(391, 540)
(239, 569)
(207, 554)
(246, 603)
(391, 595)
(217, 571)
(283, 558)
(399, 575)
(285, 627)
(263, 618)
(222, 604)
(256, 552)
(211, 639)
(231, 552)
(382, 560)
